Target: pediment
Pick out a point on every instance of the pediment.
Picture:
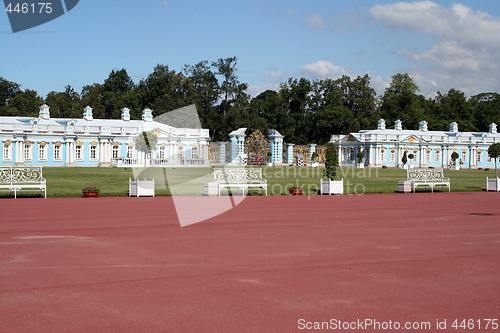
(350, 138)
(414, 139)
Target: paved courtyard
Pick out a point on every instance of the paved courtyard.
(271, 264)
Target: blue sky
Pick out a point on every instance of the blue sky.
(441, 44)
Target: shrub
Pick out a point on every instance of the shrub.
(331, 161)
(360, 156)
(384, 166)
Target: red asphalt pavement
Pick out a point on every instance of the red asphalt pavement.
(272, 264)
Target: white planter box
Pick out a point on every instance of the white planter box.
(361, 165)
(404, 187)
(315, 164)
(493, 184)
(141, 188)
(210, 189)
(456, 167)
(269, 164)
(332, 186)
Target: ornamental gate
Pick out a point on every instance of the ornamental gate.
(257, 148)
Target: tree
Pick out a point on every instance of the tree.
(296, 97)
(165, 90)
(92, 96)
(400, 101)
(228, 87)
(360, 156)
(117, 93)
(66, 104)
(331, 161)
(24, 103)
(494, 152)
(486, 108)
(454, 157)
(146, 143)
(7, 91)
(405, 158)
(206, 88)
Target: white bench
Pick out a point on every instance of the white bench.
(15, 178)
(427, 177)
(242, 178)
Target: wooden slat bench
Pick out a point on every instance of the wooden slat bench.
(241, 178)
(26, 178)
(427, 177)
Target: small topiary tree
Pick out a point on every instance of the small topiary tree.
(360, 156)
(454, 157)
(314, 156)
(146, 143)
(405, 158)
(494, 152)
(331, 161)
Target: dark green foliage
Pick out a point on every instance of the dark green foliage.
(404, 160)
(360, 156)
(331, 161)
(304, 111)
(494, 152)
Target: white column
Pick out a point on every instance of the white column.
(71, 153)
(340, 153)
(67, 149)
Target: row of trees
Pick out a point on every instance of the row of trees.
(303, 110)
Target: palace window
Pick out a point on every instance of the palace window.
(93, 153)
(437, 156)
(464, 156)
(351, 155)
(57, 153)
(382, 155)
(428, 156)
(392, 156)
(7, 152)
(130, 151)
(42, 152)
(479, 157)
(194, 152)
(162, 153)
(28, 152)
(489, 159)
(79, 153)
(116, 151)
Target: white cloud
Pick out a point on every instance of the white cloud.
(466, 49)
(254, 89)
(315, 21)
(323, 69)
(276, 75)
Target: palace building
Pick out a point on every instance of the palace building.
(46, 141)
(430, 148)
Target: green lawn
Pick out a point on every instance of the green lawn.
(68, 182)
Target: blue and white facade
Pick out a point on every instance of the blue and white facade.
(46, 141)
(430, 148)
